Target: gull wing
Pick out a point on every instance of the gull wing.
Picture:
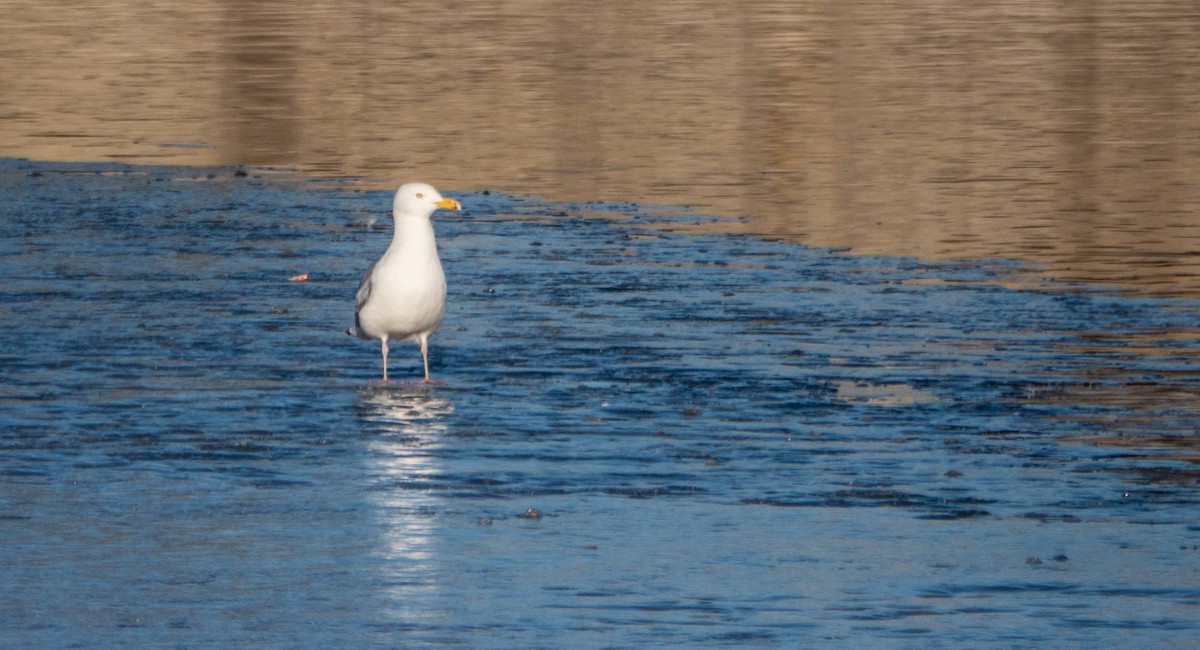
(364, 289)
(360, 299)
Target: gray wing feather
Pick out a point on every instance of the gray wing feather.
(364, 289)
(364, 294)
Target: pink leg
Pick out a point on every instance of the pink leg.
(385, 351)
(425, 357)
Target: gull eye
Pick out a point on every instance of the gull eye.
(420, 196)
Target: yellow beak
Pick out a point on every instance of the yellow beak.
(449, 204)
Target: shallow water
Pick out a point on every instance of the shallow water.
(724, 440)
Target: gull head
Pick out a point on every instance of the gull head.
(420, 200)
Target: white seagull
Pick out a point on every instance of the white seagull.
(403, 295)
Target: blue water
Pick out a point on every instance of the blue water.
(643, 439)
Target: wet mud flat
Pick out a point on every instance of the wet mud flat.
(644, 438)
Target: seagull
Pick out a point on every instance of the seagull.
(403, 295)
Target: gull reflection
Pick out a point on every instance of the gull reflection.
(405, 426)
(414, 412)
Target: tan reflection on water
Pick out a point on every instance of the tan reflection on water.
(1063, 132)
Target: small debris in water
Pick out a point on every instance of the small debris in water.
(532, 513)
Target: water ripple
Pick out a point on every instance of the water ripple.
(721, 440)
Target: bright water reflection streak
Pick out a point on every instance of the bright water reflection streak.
(407, 425)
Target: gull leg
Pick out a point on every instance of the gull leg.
(425, 357)
(385, 351)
